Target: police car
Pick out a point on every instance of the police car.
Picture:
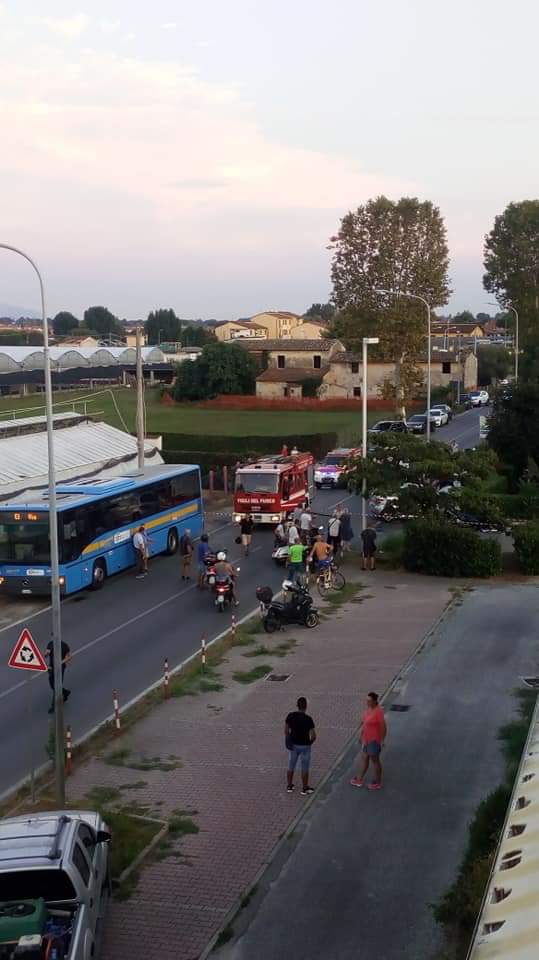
(331, 472)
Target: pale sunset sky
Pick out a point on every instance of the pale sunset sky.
(200, 155)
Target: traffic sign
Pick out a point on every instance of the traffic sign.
(26, 655)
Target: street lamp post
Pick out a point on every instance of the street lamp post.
(515, 311)
(364, 392)
(53, 538)
(415, 296)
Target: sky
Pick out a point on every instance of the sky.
(200, 155)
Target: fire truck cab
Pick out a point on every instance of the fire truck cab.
(271, 487)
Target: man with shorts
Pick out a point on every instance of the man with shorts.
(246, 530)
(203, 550)
(320, 551)
(299, 734)
(334, 533)
(368, 541)
(186, 551)
(372, 734)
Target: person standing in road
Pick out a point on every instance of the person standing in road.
(368, 541)
(300, 734)
(246, 530)
(296, 515)
(372, 734)
(296, 562)
(66, 657)
(305, 524)
(140, 543)
(293, 533)
(334, 534)
(347, 534)
(186, 551)
(203, 550)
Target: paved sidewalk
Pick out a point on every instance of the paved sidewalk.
(233, 773)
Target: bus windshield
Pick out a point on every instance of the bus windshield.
(24, 542)
(257, 482)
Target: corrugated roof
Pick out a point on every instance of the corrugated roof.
(62, 357)
(82, 450)
(508, 925)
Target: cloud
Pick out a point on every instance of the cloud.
(67, 28)
(199, 183)
(109, 27)
(170, 25)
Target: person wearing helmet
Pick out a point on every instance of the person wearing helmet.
(225, 569)
(203, 550)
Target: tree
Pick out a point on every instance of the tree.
(64, 323)
(103, 322)
(465, 316)
(195, 336)
(514, 428)
(162, 326)
(322, 312)
(511, 260)
(221, 368)
(493, 363)
(396, 246)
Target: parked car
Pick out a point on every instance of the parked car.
(417, 423)
(438, 417)
(392, 426)
(54, 873)
(445, 407)
(479, 398)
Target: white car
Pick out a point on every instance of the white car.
(439, 417)
(479, 398)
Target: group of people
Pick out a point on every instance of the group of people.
(300, 734)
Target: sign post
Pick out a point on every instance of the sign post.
(27, 656)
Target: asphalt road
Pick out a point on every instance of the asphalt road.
(120, 637)
(356, 878)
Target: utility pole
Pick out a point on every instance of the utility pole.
(140, 403)
(53, 538)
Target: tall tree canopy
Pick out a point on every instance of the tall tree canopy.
(103, 322)
(493, 363)
(320, 311)
(514, 428)
(400, 247)
(221, 368)
(511, 260)
(64, 323)
(163, 325)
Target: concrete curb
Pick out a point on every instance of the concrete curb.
(284, 839)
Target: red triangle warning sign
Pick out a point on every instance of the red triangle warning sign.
(26, 655)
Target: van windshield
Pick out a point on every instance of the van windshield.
(257, 482)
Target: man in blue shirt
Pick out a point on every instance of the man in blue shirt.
(203, 550)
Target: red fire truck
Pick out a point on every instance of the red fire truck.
(270, 488)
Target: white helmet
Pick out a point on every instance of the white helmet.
(287, 585)
(221, 555)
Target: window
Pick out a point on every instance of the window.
(256, 481)
(357, 391)
(446, 366)
(354, 367)
(88, 840)
(51, 884)
(81, 863)
(281, 360)
(26, 542)
(317, 361)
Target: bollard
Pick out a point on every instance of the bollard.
(166, 679)
(233, 628)
(211, 480)
(203, 653)
(69, 751)
(225, 479)
(117, 722)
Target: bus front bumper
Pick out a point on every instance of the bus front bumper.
(31, 586)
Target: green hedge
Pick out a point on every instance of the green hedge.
(239, 448)
(517, 506)
(526, 541)
(443, 550)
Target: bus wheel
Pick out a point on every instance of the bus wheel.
(172, 541)
(99, 575)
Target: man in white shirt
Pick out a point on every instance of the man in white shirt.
(293, 534)
(140, 543)
(334, 533)
(305, 524)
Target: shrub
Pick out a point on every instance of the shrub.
(442, 550)
(526, 541)
(519, 506)
(391, 551)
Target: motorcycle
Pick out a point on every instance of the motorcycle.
(280, 547)
(276, 613)
(223, 592)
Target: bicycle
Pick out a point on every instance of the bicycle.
(329, 579)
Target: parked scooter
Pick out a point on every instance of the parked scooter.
(297, 608)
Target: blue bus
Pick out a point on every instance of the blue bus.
(96, 523)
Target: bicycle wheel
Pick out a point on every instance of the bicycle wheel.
(323, 585)
(338, 581)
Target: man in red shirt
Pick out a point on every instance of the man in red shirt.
(372, 734)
